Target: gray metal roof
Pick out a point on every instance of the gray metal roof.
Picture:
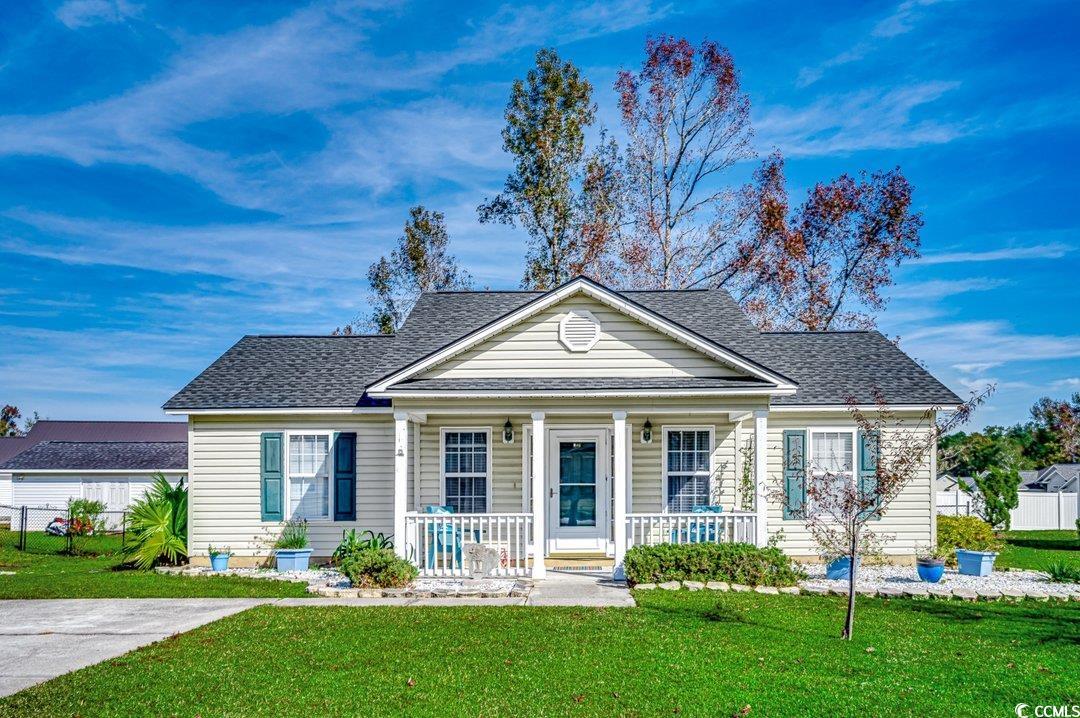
(136, 456)
(321, 371)
(13, 446)
(55, 430)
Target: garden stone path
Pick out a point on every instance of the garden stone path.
(42, 639)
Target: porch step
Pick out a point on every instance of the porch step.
(579, 562)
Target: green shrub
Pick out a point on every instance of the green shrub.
(733, 562)
(377, 568)
(1061, 572)
(967, 532)
(293, 536)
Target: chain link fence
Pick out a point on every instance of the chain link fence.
(49, 530)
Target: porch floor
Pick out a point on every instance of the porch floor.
(580, 588)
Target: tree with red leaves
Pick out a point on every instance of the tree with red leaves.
(824, 265)
(9, 415)
(688, 121)
(1061, 421)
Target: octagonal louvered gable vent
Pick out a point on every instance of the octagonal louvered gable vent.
(579, 330)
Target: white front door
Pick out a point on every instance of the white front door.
(578, 486)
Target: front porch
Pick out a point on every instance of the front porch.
(607, 482)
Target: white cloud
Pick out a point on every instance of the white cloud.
(902, 19)
(83, 13)
(976, 368)
(1053, 250)
(1070, 383)
(868, 119)
(942, 288)
(987, 342)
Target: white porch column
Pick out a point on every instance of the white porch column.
(761, 426)
(539, 494)
(401, 478)
(619, 491)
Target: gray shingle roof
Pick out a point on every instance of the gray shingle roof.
(101, 456)
(295, 372)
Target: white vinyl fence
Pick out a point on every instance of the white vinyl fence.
(1035, 511)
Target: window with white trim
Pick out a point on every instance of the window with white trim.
(832, 455)
(466, 471)
(686, 459)
(309, 476)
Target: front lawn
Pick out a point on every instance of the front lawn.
(1035, 549)
(687, 653)
(43, 575)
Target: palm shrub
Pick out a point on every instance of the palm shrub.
(157, 525)
(1062, 572)
(352, 542)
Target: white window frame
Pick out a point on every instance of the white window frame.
(811, 430)
(329, 433)
(443, 431)
(665, 430)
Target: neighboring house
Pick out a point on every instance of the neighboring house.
(109, 461)
(1054, 478)
(622, 411)
(10, 446)
(948, 482)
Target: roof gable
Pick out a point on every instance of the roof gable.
(694, 355)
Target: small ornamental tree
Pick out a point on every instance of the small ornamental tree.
(998, 494)
(840, 504)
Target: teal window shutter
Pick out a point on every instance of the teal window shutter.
(869, 445)
(794, 473)
(272, 471)
(345, 476)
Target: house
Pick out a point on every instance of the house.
(574, 422)
(948, 482)
(109, 461)
(10, 446)
(1053, 478)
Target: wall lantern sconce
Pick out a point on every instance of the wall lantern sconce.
(646, 432)
(508, 432)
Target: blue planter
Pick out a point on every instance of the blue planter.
(931, 571)
(292, 559)
(839, 568)
(975, 563)
(219, 561)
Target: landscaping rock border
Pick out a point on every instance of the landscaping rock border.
(914, 591)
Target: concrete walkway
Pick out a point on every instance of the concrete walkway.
(573, 588)
(46, 638)
(42, 639)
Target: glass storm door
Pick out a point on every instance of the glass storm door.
(578, 489)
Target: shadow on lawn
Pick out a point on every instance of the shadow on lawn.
(1048, 544)
(1038, 623)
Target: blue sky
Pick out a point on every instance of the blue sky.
(175, 175)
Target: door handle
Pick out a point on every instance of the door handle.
(551, 493)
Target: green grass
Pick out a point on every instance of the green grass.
(690, 653)
(59, 576)
(1035, 549)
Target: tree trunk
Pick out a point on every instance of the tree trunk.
(853, 554)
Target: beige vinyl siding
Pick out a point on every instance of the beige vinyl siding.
(908, 519)
(626, 348)
(225, 481)
(647, 459)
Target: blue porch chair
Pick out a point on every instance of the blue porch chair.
(443, 537)
(705, 532)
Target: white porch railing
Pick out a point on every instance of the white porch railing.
(435, 542)
(649, 529)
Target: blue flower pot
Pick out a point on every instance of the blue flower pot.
(931, 571)
(975, 563)
(219, 561)
(839, 569)
(292, 559)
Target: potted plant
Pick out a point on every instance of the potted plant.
(839, 568)
(975, 563)
(930, 563)
(219, 558)
(291, 549)
(973, 541)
